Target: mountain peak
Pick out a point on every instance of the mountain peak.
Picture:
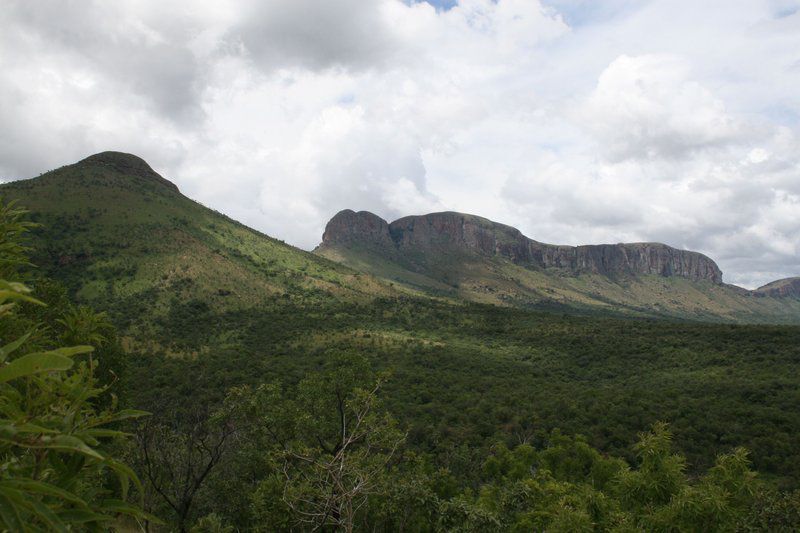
(127, 164)
(349, 227)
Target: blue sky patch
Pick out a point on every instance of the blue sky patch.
(441, 4)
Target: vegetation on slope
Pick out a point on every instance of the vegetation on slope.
(58, 424)
(477, 393)
(119, 235)
(435, 265)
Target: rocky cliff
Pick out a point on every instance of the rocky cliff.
(457, 232)
(349, 227)
(783, 288)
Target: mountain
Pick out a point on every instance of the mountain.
(782, 288)
(204, 304)
(124, 239)
(466, 256)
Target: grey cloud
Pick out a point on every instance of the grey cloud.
(317, 35)
(647, 108)
(127, 54)
(581, 201)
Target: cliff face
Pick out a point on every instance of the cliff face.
(439, 232)
(783, 288)
(362, 228)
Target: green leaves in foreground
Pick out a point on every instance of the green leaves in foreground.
(36, 363)
(54, 470)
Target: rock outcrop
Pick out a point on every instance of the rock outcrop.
(450, 232)
(349, 227)
(782, 288)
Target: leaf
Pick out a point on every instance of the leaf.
(82, 516)
(120, 415)
(45, 514)
(34, 363)
(40, 487)
(104, 433)
(33, 428)
(10, 514)
(16, 295)
(129, 413)
(71, 350)
(125, 474)
(9, 348)
(66, 443)
(14, 286)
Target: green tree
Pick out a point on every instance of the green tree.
(331, 443)
(13, 252)
(661, 472)
(177, 458)
(82, 325)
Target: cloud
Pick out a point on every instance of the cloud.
(648, 107)
(646, 120)
(122, 47)
(316, 35)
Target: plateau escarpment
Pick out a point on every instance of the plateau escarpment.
(782, 288)
(468, 257)
(419, 236)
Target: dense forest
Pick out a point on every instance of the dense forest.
(391, 414)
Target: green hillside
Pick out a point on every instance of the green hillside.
(206, 305)
(124, 239)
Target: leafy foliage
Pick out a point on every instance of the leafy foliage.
(13, 253)
(53, 463)
(329, 443)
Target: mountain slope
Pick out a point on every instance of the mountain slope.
(123, 238)
(207, 304)
(470, 257)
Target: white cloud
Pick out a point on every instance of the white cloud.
(648, 107)
(666, 120)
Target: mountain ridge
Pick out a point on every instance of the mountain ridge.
(787, 287)
(471, 257)
(492, 238)
(118, 233)
(128, 164)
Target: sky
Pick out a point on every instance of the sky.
(576, 121)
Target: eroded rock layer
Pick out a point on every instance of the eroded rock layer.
(457, 232)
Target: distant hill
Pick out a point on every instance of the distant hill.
(465, 256)
(124, 239)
